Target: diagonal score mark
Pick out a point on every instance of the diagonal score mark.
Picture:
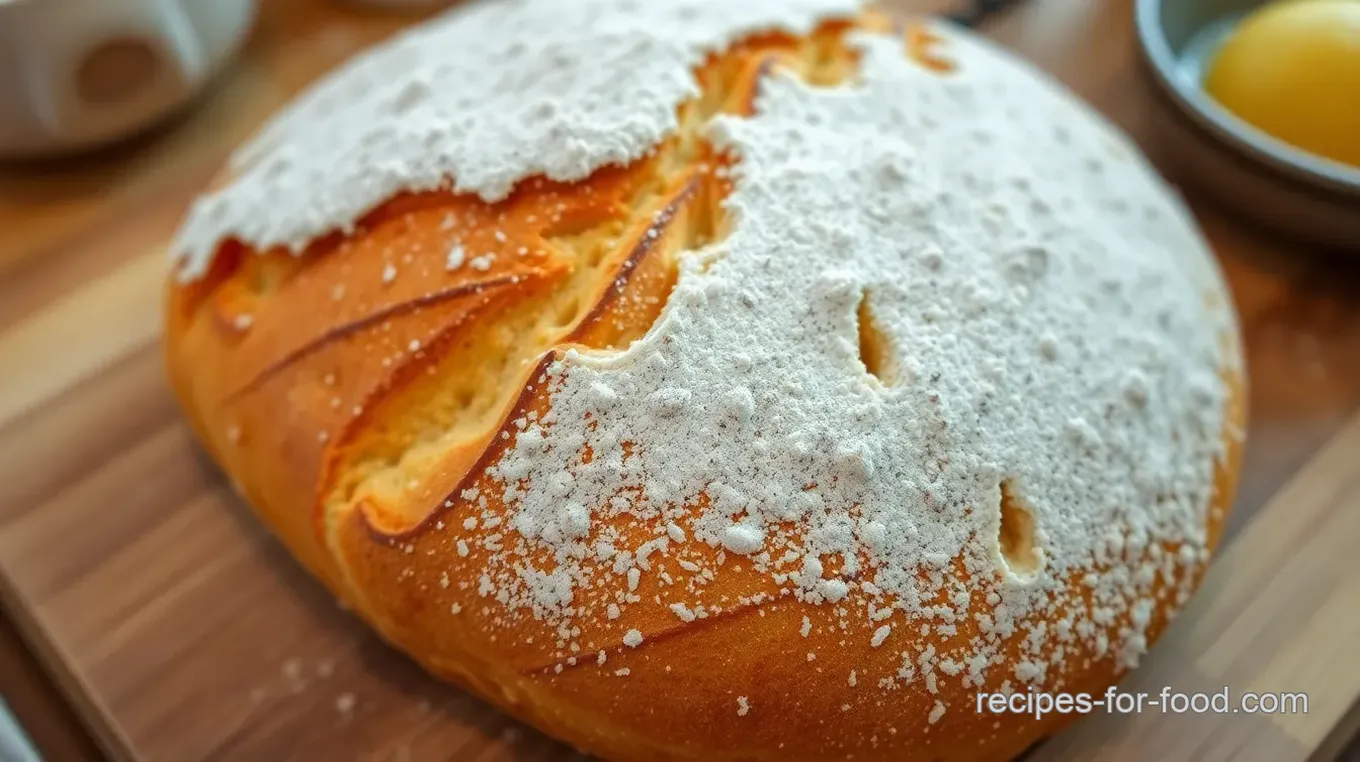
(624, 267)
(348, 329)
(683, 174)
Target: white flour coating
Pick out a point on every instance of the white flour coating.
(1055, 325)
(485, 96)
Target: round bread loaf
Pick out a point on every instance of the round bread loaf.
(754, 380)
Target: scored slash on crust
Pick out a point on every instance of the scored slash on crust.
(340, 332)
(697, 196)
(582, 335)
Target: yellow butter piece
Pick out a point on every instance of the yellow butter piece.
(1292, 70)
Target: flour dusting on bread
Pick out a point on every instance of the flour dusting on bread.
(484, 97)
(1046, 306)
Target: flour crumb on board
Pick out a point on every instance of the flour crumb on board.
(295, 675)
(344, 703)
(743, 706)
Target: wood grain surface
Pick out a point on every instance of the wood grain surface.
(179, 630)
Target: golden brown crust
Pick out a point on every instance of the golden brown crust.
(328, 384)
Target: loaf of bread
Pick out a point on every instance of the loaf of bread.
(742, 380)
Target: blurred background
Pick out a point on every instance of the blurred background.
(114, 113)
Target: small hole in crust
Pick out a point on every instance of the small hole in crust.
(875, 350)
(464, 398)
(1016, 535)
(569, 313)
(596, 255)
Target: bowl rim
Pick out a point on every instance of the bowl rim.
(1224, 125)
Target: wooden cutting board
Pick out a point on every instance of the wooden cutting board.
(181, 631)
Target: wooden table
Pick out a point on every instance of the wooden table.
(178, 630)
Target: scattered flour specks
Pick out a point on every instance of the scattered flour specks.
(455, 258)
(465, 101)
(743, 539)
(344, 703)
(1050, 345)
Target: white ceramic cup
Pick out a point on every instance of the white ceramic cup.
(75, 74)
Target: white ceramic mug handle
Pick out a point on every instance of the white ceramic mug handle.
(58, 52)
